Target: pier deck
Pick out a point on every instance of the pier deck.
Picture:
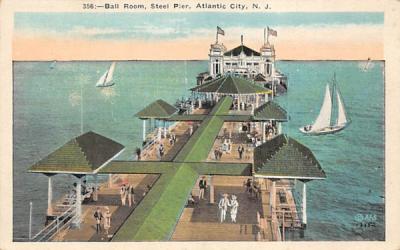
(201, 222)
(107, 197)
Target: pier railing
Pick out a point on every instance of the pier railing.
(60, 223)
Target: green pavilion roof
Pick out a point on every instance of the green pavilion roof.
(158, 109)
(83, 154)
(231, 85)
(270, 111)
(284, 157)
(241, 48)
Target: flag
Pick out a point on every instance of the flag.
(220, 31)
(272, 32)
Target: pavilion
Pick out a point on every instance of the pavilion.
(157, 110)
(241, 89)
(84, 155)
(285, 158)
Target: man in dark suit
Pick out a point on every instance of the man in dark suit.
(202, 186)
(98, 215)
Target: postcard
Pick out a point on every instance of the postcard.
(221, 124)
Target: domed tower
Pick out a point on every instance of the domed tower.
(216, 61)
(267, 65)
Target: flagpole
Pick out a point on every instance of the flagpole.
(268, 35)
(264, 35)
(216, 40)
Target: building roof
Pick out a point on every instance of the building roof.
(231, 85)
(246, 50)
(260, 78)
(270, 111)
(83, 154)
(284, 157)
(158, 109)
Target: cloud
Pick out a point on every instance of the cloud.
(85, 31)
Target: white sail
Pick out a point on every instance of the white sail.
(109, 77)
(341, 120)
(102, 79)
(324, 118)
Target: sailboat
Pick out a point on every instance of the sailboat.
(323, 124)
(106, 80)
(53, 64)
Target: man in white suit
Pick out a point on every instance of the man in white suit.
(223, 207)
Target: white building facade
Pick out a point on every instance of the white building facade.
(242, 61)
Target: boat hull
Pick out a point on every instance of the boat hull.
(324, 131)
(105, 85)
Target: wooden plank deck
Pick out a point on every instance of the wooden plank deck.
(201, 222)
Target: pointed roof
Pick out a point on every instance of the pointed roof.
(270, 111)
(229, 84)
(158, 109)
(83, 154)
(260, 78)
(284, 157)
(246, 50)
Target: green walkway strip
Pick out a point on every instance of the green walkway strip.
(201, 142)
(165, 213)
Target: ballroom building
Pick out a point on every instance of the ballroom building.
(245, 62)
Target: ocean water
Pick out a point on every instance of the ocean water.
(48, 104)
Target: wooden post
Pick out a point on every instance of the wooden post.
(273, 190)
(263, 132)
(158, 131)
(110, 184)
(30, 220)
(95, 196)
(279, 128)
(78, 202)
(144, 129)
(49, 197)
(165, 129)
(257, 101)
(283, 225)
(210, 180)
(304, 204)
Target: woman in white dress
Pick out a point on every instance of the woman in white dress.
(234, 208)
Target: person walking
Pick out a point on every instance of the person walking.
(161, 149)
(223, 207)
(240, 151)
(234, 208)
(131, 195)
(202, 186)
(122, 192)
(98, 215)
(107, 220)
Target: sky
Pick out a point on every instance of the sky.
(187, 36)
